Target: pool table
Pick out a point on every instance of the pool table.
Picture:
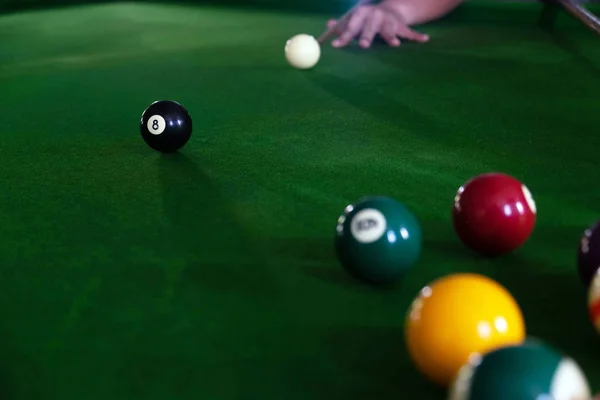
(210, 273)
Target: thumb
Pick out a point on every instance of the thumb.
(331, 23)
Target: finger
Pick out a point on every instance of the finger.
(353, 27)
(406, 33)
(389, 27)
(334, 27)
(371, 28)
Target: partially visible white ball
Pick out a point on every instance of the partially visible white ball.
(302, 51)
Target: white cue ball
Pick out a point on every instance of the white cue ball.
(302, 51)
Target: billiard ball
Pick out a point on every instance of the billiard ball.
(457, 317)
(588, 257)
(531, 371)
(377, 240)
(594, 301)
(493, 214)
(302, 51)
(166, 126)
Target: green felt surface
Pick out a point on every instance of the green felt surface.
(210, 274)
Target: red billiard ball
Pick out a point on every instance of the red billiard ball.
(493, 214)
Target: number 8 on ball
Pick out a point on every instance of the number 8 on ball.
(156, 125)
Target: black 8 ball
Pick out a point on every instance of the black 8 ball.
(588, 258)
(166, 126)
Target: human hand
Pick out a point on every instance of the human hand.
(368, 21)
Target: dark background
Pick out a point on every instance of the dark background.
(331, 6)
(299, 5)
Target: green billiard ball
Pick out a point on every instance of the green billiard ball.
(531, 371)
(378, 240)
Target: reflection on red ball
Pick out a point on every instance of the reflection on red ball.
(493, 214)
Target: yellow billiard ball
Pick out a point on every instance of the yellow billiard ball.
(457, 317)
(594, 301)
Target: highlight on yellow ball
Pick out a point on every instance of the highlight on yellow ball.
(457, 317)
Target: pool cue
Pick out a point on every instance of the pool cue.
(575, 8)
(331, 31)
